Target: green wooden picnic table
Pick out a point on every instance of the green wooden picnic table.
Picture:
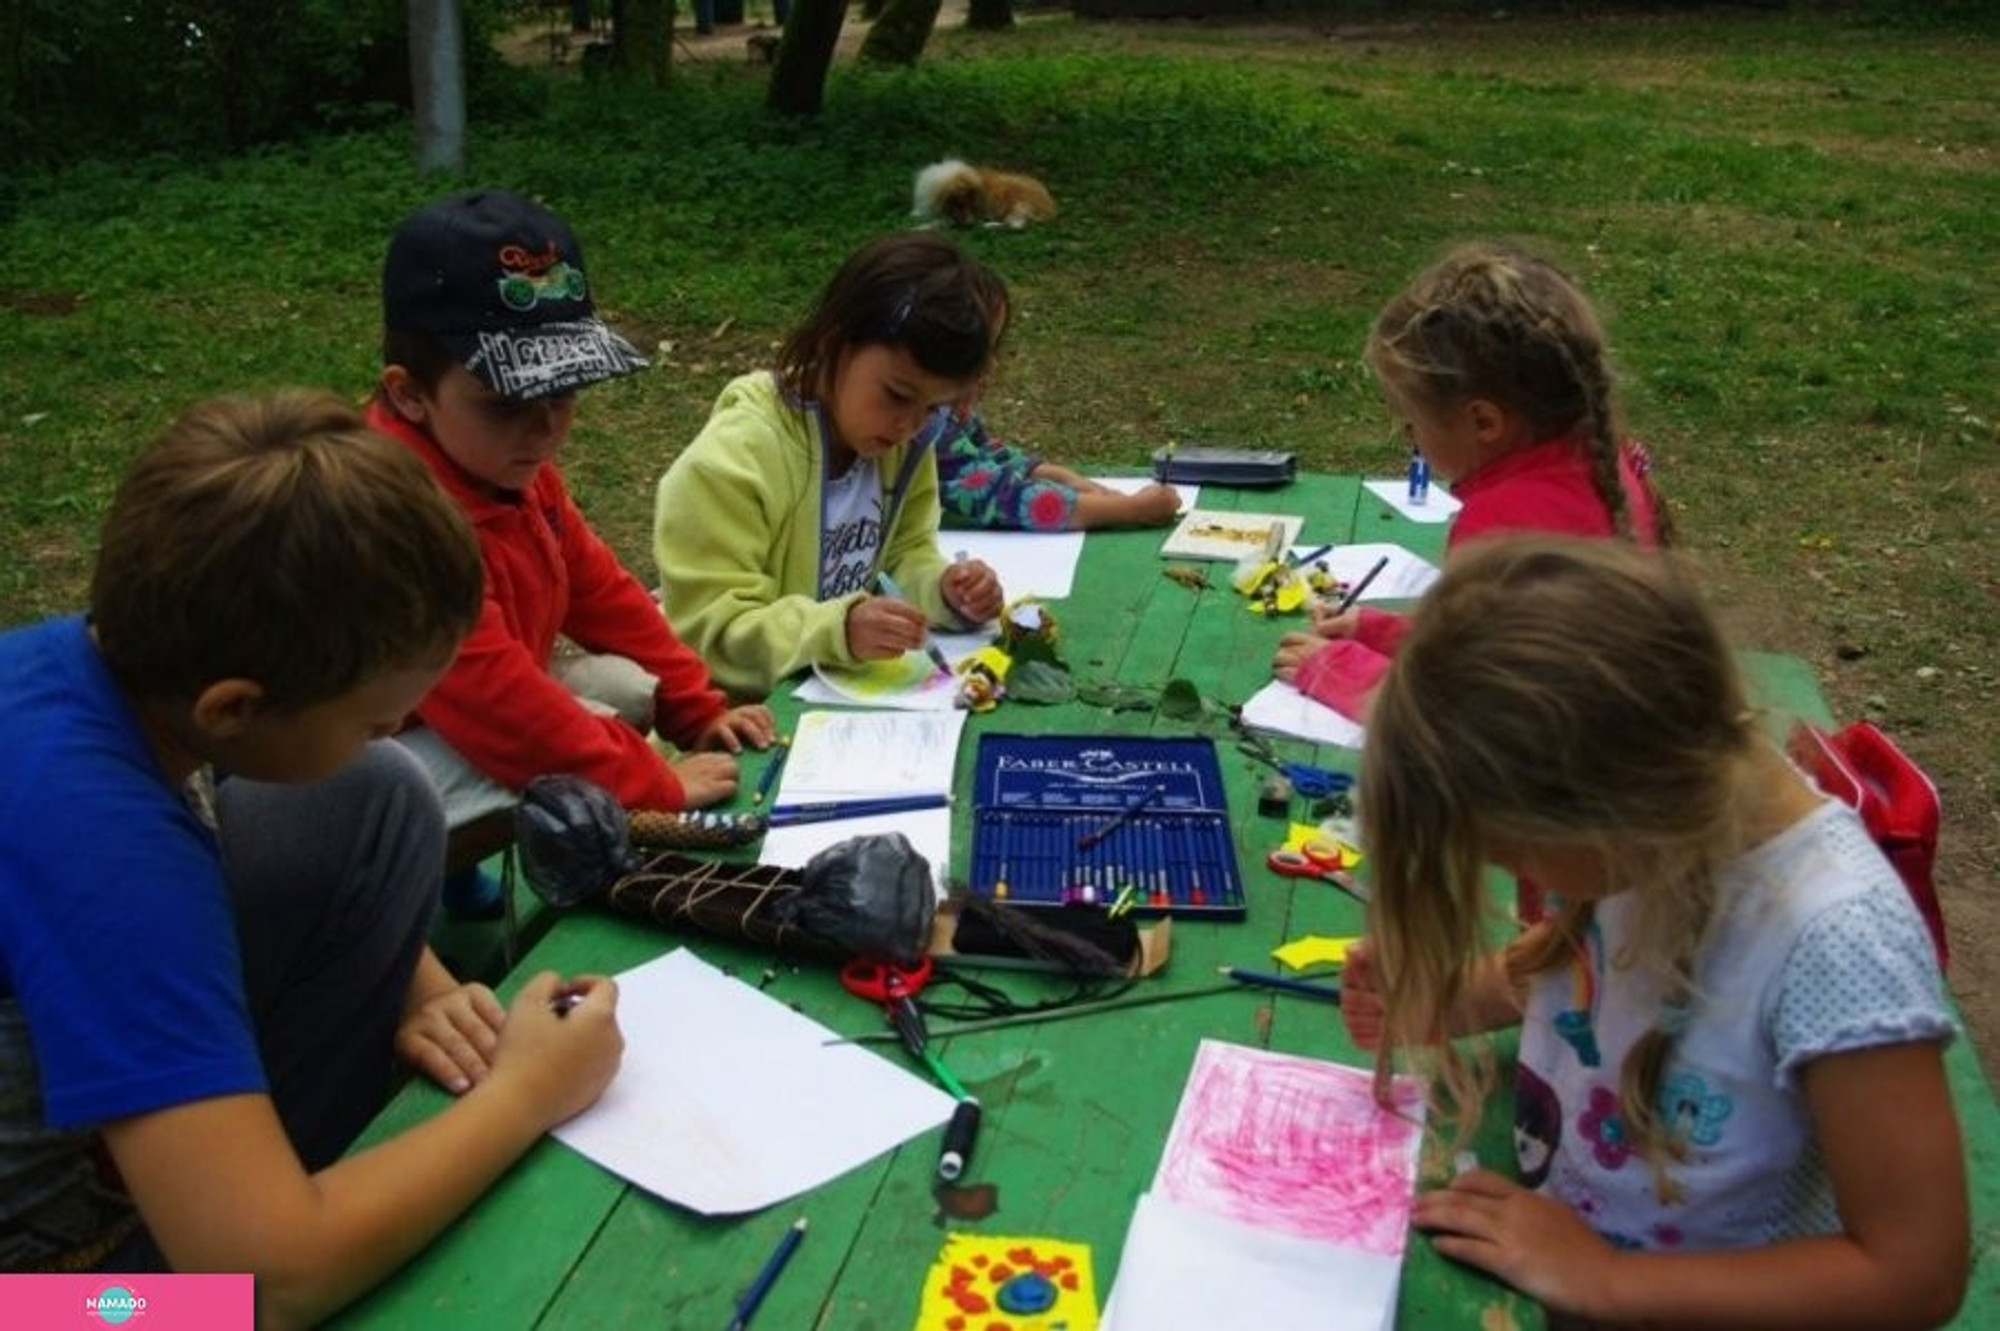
(1077, 1111)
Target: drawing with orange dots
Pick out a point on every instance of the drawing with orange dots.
(987, 1282)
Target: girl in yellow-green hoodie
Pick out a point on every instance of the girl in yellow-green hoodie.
(776, 527)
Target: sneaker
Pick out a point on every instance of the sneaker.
(474, 894)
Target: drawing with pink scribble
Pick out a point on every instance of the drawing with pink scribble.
(1296, 1146)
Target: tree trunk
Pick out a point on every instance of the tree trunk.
(798, 79)
(898, 37)
(437, 82)
(642, 40)
(989, 15)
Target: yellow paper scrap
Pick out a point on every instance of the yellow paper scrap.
(1314, 950)
(1300, 835)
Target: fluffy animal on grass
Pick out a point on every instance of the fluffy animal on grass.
(964, 195)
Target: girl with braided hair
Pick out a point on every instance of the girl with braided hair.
(1733, 1107)
(1496, 366)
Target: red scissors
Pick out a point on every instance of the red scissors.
(895, 987)
(1317, 859)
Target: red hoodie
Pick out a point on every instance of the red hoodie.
(1545, 487)
(548, 573)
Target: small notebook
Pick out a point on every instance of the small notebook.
(1206, 533)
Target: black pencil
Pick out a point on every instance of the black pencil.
(1091, 838)
(1354, 593)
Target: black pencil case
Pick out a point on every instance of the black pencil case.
(1210, 464)
(978, 937)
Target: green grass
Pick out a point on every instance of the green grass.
(1787, 219)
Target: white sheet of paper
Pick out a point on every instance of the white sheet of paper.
(1404, 578)
(1186, 1271)
(1131, 485)
(1033, 563)
(816, 688)
(1280, 707)
(1438, 506)
(849, 754)
(728, 1101)
(1028, 563)
(929, 830)
(843, 755)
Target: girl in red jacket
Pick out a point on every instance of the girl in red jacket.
(1495, 364)
(490, 330)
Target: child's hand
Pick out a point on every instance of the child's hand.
(1293, 649)
(1534, 1243)
(1360, 1000)
(1156, 505)
(560, 1046)
(1329, 625)
(706, 778)
(451, 1036)
(739, 726)
(972, 590)
(880, 628)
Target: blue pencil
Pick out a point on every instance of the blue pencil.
(746, 1307)
(826, 811)
(1300, 561)
(771, 770)
(1260, 980)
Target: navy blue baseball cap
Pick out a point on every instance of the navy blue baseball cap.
(499, 280)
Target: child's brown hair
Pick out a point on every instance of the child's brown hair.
(279, 539)
(1495, 322)
(1551, 693)
(913, 290)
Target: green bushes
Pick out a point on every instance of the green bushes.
(123, 78)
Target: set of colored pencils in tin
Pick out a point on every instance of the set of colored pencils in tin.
(1156, 861)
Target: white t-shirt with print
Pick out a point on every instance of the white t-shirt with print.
(850, 530)
(1816, 949)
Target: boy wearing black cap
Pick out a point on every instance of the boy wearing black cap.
(490, 330)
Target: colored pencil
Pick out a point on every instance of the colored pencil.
(1300, 561)
(826, 811)
(746, 1307)
(1354, 592)
(887, 586)
(1282, 983)
(1090, 839)
(771, 770)
(951, 1084)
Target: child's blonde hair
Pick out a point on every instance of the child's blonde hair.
(917, 291)
(1563, 694)
(281, 540)
(1494, 322)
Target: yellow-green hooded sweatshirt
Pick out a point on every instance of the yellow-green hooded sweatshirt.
(737, 529)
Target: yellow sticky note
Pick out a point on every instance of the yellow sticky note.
(1314, 950)
(1299, 835)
